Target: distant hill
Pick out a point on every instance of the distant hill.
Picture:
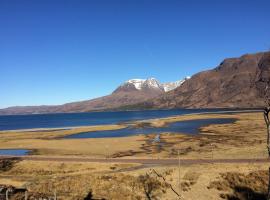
(236, 82)
(130, 92)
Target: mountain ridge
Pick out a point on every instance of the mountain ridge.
(130, 92)
(235, 83)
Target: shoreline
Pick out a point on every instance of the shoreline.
(62, 132)
(127, 122)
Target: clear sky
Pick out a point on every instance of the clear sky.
(53, 52)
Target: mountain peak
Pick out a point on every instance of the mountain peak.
(152, 83)
(149, 84)
(137, 83)
(140, 84)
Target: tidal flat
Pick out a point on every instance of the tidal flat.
(245, 137)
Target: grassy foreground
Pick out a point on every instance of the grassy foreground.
(120, 181)
(245, 138)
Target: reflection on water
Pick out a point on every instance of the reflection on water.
(188, 127)
(14, 152)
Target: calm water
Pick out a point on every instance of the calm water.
(13, 152)
(189, 127)
(14, 122)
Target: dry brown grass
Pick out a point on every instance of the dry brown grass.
(75, 180)
(241, 186)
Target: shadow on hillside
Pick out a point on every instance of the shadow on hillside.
(90, 197)
(246, 193)
(242, 186)
(7, 163)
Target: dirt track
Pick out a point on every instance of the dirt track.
(142, 161)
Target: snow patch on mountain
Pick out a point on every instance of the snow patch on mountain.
(172, 85)
(152, 83)
(136, 82)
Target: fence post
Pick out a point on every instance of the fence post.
(7, 194)
(179, 175)
(55, 195)
(25, 195)
(267, 122)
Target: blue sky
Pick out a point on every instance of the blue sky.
(53, 52)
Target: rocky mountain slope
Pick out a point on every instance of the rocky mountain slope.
(236, 82)
(130, 92)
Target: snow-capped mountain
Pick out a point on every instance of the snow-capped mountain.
(129, 93)
(150, 83)
(137, 83)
